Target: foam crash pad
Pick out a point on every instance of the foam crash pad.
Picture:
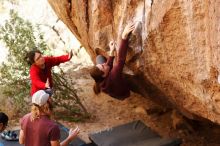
(63, 131)
(131, 134)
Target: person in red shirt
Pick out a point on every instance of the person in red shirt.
(108, 77)
(37, 129)
(40, 70)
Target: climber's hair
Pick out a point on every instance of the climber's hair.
(96, 74)
(30, 56)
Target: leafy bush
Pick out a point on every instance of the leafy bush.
(19, 37)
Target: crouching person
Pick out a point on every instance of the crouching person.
(37, 129)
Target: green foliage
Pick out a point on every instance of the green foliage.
(20, 36)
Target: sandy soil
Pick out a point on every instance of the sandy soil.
(108, 112)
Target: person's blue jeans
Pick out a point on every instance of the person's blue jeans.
(49, 91)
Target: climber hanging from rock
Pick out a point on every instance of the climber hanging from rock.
(108, 77)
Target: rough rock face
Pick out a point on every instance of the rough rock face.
(175, 49)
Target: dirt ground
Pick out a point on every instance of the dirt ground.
(107, 112)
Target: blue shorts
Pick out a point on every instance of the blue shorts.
(49, 91)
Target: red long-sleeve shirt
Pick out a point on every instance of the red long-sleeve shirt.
(39, 76)
(114, 84)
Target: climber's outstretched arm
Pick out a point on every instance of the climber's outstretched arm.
(122, 52)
